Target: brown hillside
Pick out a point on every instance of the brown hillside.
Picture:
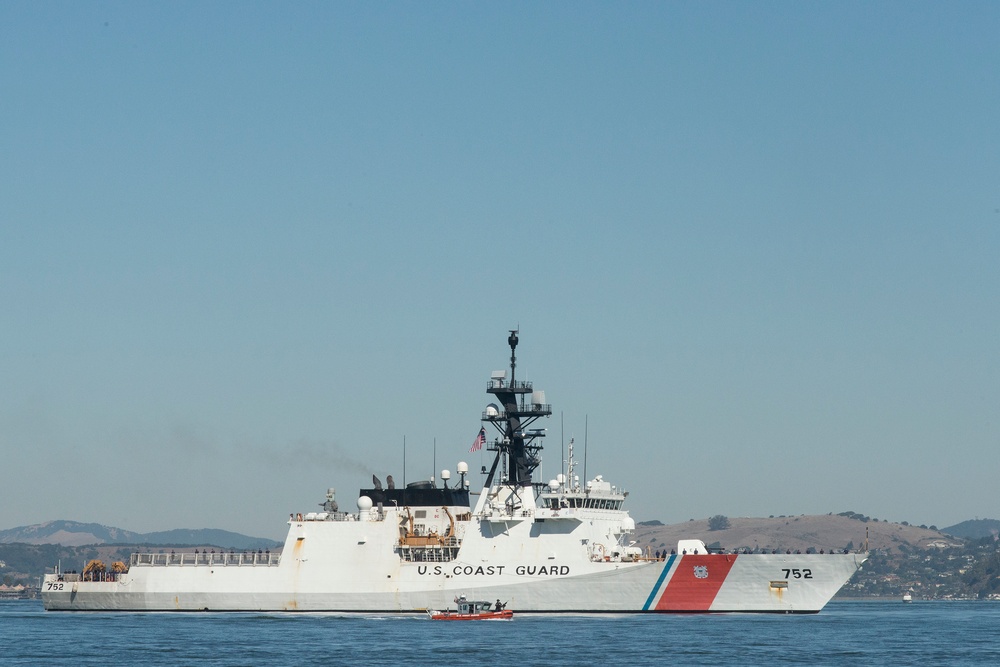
(824, 532)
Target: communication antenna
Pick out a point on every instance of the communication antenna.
(512, 341)
(562, 443)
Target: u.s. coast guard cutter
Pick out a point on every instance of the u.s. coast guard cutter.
(559, 546)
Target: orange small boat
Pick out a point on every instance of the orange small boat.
(473, 610)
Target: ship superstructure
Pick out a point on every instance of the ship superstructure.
(556, 546)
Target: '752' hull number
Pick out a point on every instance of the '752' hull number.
(796, 573)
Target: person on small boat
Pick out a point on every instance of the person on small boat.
(499, 607)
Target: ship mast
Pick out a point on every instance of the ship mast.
(517, 447)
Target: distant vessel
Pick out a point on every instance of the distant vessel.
(557, 546)
(907, 597)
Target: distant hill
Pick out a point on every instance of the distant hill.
(69, 534)
(827, 532)
(974, 529)
(75, 534)
(213, 536)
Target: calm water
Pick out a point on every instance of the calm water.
(853, 633)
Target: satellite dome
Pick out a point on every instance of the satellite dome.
(364, 503)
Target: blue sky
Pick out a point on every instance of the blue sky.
(247, 248)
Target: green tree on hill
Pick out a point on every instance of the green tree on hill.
(718, 522)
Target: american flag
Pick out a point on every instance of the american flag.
(480, 439)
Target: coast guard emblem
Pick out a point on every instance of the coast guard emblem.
(700, 572)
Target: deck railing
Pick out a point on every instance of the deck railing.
(242, 559)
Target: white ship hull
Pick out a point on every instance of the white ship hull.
(352, 566)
